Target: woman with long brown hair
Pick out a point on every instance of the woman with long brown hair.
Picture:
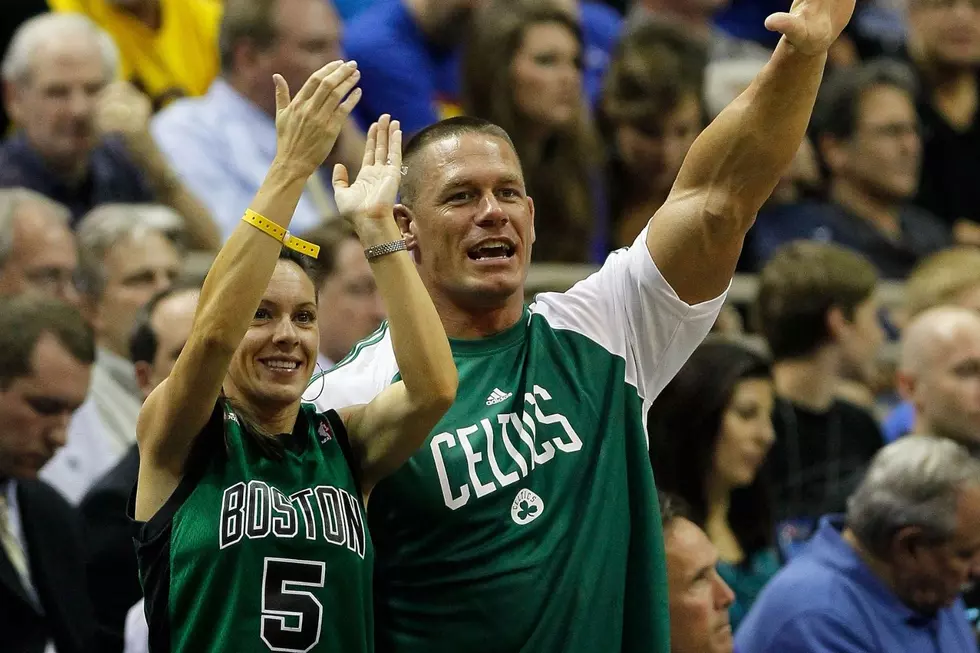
(522, 70)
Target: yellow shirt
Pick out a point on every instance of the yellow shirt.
(181, 58)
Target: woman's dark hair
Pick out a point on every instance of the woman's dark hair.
(562, 174)
(269, 444)
(684, 423)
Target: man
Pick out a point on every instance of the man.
(222, 144)
(84, 141)
(886, 580)
(866, 133)
(37, 249)
(161, 330)
(949, 278)
(817, 311)
(699, 598)
(409, 53)
(944, 44)
(939, 373)
(168, 48)
(349, 305)
(528, 521)
(46, 354)
(128, 255)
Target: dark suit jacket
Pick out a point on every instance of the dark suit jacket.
(53, 539)
(111, 564)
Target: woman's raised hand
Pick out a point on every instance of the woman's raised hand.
(307, 125)
(380, 174)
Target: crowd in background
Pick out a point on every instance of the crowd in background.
(137, 132)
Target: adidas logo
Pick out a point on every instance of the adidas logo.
(497, 396)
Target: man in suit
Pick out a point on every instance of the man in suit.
(46, 356)
(162, 328)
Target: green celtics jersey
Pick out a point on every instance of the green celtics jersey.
(528, 521)
(254, 554)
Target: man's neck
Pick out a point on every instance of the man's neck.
(258, 97)
(877, 567)
(807, 382)
(477, 322)
(880, 213)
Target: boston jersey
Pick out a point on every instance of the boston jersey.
(253, 554)
(528, 521)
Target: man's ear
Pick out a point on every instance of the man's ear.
(13, 102)
(406, 225)
(530, 208)
(907, 546)
(144, 377)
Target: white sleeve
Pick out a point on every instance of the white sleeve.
(357, 379)
(629, 309)
(136, 631)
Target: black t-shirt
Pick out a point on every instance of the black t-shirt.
(949, 185)
(818, 459)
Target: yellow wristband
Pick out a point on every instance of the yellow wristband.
(280, 234)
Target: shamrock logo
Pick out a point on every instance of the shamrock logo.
(527, 507)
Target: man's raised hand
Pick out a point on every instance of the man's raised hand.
(380, 173)
(307, 125)
(811, 26)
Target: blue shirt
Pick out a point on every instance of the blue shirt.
(899, 422)
(221, 145)
(828, 601)
(112, 176)
(419, 83)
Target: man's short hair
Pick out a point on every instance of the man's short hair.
(941, 278)
(799, 285)
(329, 237)
(836, 112)
(104, 226)
(254, 20)
(144, 341)
(449, 128)
(45, 28)
(914, 481)
(672, 508)
(25, 318)
(11, 200)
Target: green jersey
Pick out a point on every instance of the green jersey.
(254, 554)
(528, 521)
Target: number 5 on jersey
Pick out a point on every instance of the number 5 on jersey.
(291, 618)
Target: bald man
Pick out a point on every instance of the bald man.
(939, 373)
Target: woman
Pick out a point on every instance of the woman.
(650, 113)
(253, 535)
(522, 70)
(710, 430)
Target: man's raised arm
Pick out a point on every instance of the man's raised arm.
(696, 237)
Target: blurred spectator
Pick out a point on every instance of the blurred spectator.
(817, 309)
(349, 304)
(84, 142)
(698, 596)
(696, 18)
(46, 354)
(601, 30)
(710, 430)
(350, 8)
(222, 144)
(128, 255)
(168, 48)
(531, 85)
(15, 12)
(162, 328)
(866, 132)
(887, 579)
(939, 374)
(944, 43)
(650, 114)
(409, 54)
(37, 249)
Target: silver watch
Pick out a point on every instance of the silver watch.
(375, 251)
